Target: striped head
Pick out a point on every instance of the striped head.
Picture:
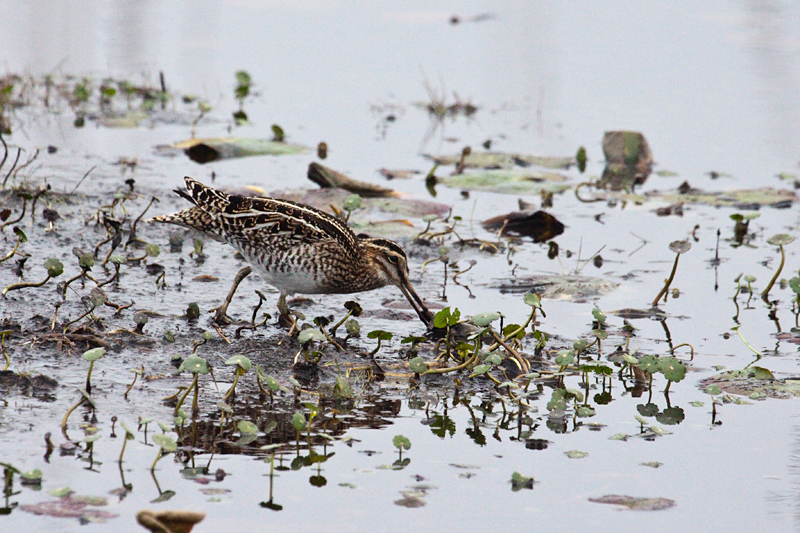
(389, 264)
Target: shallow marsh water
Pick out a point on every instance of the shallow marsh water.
(713, 88)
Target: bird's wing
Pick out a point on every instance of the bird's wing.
(243, 218)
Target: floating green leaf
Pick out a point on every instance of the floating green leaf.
(484, 319)
(195, 364)
(247, 427)
(401, 443)
(166, 443)
(240, 361)
(418, 365)
(94, 354)
(54, 267)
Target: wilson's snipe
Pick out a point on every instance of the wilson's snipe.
(298, 249)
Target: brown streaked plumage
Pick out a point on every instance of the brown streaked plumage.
(298, 249)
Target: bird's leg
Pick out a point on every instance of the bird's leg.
(221, 317)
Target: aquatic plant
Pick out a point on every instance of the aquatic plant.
(54, 269)
(196, 365)
(679, 247)
(779, 240)
(92, 355)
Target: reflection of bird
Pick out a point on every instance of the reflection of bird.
(298, 249)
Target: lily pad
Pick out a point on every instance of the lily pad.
(745, 383)
(528, 182)
(741, 199)
(240, 361)
(495, 160)
(195, 364)
(780, 239)
(207, 150)
(484, 319)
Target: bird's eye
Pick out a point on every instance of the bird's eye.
(393, 259)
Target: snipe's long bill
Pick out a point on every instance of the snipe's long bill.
(296, 248)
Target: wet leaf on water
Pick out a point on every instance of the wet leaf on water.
(195, 364)
(741, 199)
(247, 428)
(781, 239)
(352, 327)
(794, 284)
(418, 365)
(649, 363)
(352, 202)
(565, 357)
(342, 389)
(31, 476)
(598, 315)
(498, 160)
(166, 443)
(484, 319)
(152, 250)
(519, 482)
(401, 443)
(575, 454)
(140, 318)
(310, 334)
(494, 359)
(680, 247)
(299, 421)
(271, 383)
(759, 372)
(671, 416)
(619, 436)
(672, 368)
(19, 233)
(445, 318)
(525, 182)
(636, 504)
(193, 311)
(480, 369)
(54, 267)
(584, 411)
(353, 307)
(648, 409)
(380, 334)
(94, 354)
(241, 361)
(207, 150)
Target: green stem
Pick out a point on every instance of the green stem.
(89, 378)
(186, 393)
(124, 443)
(765, 293)
(24, 285)
(668, 283)
(69, 412)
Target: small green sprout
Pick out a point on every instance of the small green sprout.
(679, 247)
(92, 355)
(777, 240)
